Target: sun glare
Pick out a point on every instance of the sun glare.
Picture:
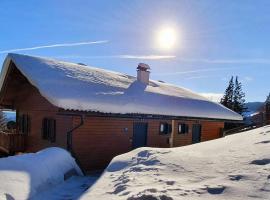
(166, 38)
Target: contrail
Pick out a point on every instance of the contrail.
(124, 56)
(196, 71)
(147, 57)
(55, 45)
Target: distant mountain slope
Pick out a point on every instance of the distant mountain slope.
(10, 116)
(253, 107)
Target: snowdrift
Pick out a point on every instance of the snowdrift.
(234, 167)
(23, 176)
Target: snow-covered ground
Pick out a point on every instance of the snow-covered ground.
(69, 190)
(234, 167)
(49, 174)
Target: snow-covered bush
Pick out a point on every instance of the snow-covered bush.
(23, 176)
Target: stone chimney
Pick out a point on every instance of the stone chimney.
(143, 73)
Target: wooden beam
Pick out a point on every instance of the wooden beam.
(173, 134)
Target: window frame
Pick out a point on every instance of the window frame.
(186, 128)
(167, 128)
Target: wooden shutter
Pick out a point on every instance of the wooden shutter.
(45, 129)
(52, 128)
(186, 128)
(28, 123)
(169, 128)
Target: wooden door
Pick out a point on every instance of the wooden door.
(196, 133)
(139, 135)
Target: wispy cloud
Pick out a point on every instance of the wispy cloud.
(195, 71)
(122, 56)
(248, 78)
(228, 61)
(54, 46)
(199, 77)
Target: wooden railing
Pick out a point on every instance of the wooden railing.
(241, 129)
(12, 142)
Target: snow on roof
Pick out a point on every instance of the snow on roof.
(85, 88)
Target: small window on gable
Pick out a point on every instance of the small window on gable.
(183, 128)
(165, 128)
(24, 124)
(49, 129)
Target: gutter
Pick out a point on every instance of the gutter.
(70, 132)
(70, 137)
(146, 116)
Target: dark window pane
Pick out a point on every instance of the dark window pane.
(183, 128)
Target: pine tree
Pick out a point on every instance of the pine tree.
(267, 101)
(239, 105)
(227, 99)
(267, 104)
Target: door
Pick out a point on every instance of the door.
(196, 133)
(139, 135)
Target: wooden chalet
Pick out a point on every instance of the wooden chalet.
(98, 114)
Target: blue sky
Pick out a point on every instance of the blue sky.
(218, 38)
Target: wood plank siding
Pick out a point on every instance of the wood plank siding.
(101, 138)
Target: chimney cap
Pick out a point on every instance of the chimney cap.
(143, 67)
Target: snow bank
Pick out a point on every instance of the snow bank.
(234, 167)
(23, 176)
(88, 88)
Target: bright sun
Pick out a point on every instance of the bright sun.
(166, 38)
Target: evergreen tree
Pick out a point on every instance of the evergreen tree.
(227, 99)
(267, 101)
(267, 104)
(239, 105)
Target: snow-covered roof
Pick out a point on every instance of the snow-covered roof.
(77, 87)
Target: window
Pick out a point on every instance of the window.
(24, 124)
(182, 128)
(165, 128)
(49, 129)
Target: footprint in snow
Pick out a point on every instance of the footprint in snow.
(263, 142)
(119, 188)
(235, 177)
(145, 154)
(264, 161)
(219, 189)
(150, 197)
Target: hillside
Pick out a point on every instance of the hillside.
(234, 167)
(253, 107)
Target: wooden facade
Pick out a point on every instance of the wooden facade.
(100, 137)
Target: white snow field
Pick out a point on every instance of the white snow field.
(42, 175)
(234, 167)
